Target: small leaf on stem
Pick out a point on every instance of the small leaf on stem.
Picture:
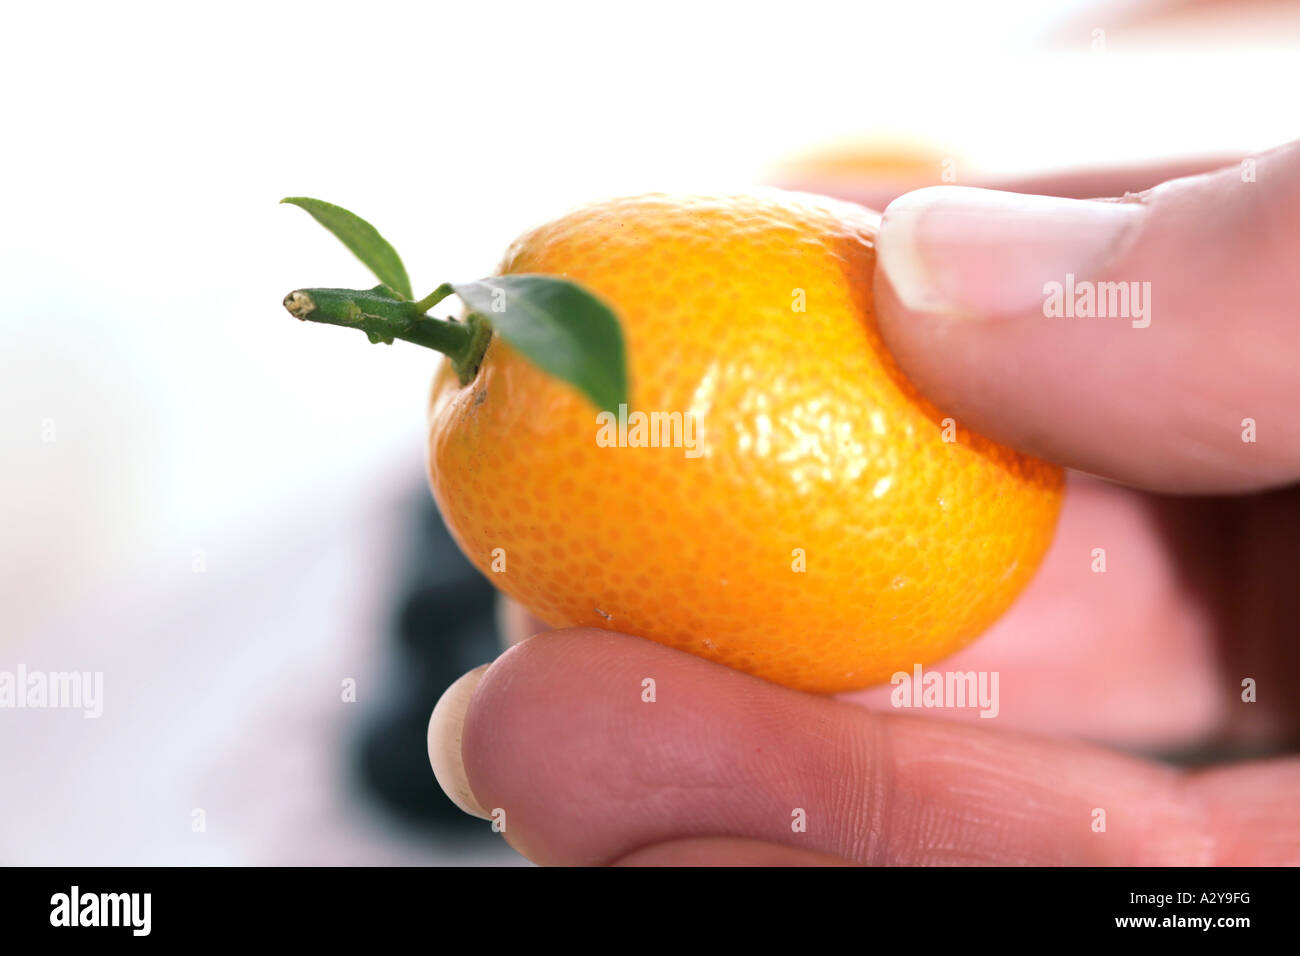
(363, 239)
(560, 327)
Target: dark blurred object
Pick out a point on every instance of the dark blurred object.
(444, 625)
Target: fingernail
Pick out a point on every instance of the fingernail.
(446, 730)
(980, 253)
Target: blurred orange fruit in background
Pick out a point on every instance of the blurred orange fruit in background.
(884, 166)
(826, 529)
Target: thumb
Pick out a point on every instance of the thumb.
(1152, 339)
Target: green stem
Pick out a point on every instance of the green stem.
(384, 317)
(434, 297)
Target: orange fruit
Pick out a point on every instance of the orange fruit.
(827, 529)
(856, 161)
(876, 166)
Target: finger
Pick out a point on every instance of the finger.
(1115, 615)
(877, 193)
(562, 746)
(1107, 181)
(723, 852)
(1187, 382)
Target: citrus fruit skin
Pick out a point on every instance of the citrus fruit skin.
(823, 534)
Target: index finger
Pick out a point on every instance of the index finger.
(877, 193)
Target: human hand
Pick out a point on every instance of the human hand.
(1198, 595)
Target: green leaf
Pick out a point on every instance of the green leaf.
(363, 239)
(560, 327)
